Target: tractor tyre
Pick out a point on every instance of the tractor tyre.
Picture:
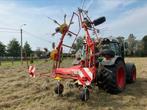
(130, 73)
(114, 81)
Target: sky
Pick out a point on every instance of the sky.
(123, 17)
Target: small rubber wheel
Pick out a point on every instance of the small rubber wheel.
(84, 94)
(59, 89)
(131, 73)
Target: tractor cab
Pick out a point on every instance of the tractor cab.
(111, 48)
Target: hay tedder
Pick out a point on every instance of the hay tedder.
(100, 64)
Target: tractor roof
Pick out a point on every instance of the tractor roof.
(109, 39)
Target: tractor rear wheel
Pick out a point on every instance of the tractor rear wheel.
(131, 73)
(114, 81)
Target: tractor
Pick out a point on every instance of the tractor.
(116, 72)
(101, 62)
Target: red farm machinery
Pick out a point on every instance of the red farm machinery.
(102, 63)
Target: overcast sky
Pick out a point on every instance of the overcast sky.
(123, 17)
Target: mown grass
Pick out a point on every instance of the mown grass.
(20, 92)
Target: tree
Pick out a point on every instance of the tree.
(79, 44)
(38, 52)
(131, 44)
(2, 49)
(144, 42)
(27, 49)
(13, 48)
(139, 48)
(120, 40)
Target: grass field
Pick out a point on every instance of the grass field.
(20, 92)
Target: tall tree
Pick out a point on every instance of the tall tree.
(38, 52)
(13, 48)
(139, 48)
(120, 39)
(144, 41)
(27, 49)
(79, 44)
(131, 44)
(2, 49)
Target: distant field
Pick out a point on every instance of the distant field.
(19, 92)
(17, 63)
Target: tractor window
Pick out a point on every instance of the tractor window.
(115, 48)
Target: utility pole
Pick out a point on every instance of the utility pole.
(21, 49)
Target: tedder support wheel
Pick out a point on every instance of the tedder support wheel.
(59, 89)
(84, 94)
(130, 73)
(114, 81)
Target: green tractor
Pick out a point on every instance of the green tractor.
(116, 72)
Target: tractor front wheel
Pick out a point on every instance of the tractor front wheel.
(131, 73)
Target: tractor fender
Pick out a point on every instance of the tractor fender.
(112, 61)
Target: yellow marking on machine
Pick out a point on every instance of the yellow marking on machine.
(58, 78)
